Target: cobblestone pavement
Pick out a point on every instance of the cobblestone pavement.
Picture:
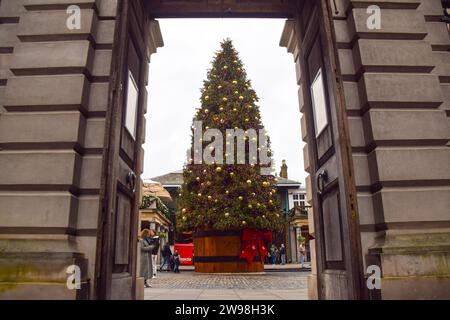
(192, 286)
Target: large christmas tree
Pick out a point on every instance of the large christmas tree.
(236, 193)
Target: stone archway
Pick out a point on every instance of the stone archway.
(61, 140)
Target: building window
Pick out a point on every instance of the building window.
(296, 199)
(299, 199)
(302, 200)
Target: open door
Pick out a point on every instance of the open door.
(118, 226)
(338, 250)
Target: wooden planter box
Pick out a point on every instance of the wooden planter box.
(219, 251)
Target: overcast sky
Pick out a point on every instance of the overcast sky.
(177, 72)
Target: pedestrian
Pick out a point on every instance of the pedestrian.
(176, 260)
(146, 263)
(166, 254)
(153, 239)
(273, 255)
(283, 253)
(302, 252)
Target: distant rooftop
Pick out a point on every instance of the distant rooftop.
(175, 179)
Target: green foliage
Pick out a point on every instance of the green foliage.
(148, 200)
(228, 196)
(301, 239)
(162, 235)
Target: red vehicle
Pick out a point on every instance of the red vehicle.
(186, 251)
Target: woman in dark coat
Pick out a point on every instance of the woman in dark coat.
(146, 266)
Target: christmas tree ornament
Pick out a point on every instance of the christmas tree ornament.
(219, 169)
(225, 99)
(226, 214)
(184, 210)
(249, 181)
(241, 98)
(241, 198)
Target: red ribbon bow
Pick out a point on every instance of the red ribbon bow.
(253, 244)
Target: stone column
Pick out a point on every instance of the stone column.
(396, 85)
(53, 91)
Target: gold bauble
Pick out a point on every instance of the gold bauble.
(198, 178)
(207, 97)
(234, 82)
(244, 222)
(241, 98)
(206, 110)
(224, 99)
(250, 206)
(225, 67)
(235, 109)
(249, 181)
(221, 108)
(241, 198)
(219, 169)
(199, 194)
(184, 210)
(184, 218)
(227, 214)
(209, 197)
(231, 173)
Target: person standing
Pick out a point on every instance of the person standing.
(283, 253)
(176, 260)
(155, 242)
(166, 255)
(302, 252)
(273, 254)
(146, 263)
